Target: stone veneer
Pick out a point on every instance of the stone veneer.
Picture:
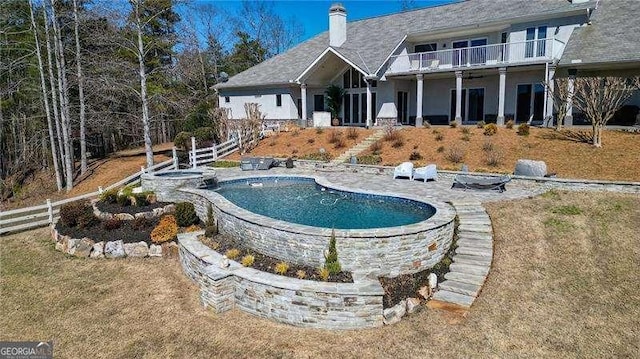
(287, 300)
(165, 186)
(381, 251)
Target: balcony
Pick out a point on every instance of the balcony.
(496, 55)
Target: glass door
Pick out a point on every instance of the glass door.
(355, 108)
(523, 103)
(363, 108)
(478, 51)
(476, 105)
(452, 113)
(460, 56)
(402, 105)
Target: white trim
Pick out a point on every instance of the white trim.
(390, 54)
(315, 62)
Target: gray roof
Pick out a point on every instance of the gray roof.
(371, 41)
(613, 36)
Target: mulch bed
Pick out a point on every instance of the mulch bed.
(222, 243)
(114, 208)
(128, 232)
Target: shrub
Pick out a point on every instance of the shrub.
(426, 124)
(225, 164)
(323, 273)
(248, 260)
(140, 223)
(465, 131)
(186, 214)
(204, 135)
(509, 124)
(352, 133)
(139, 199)
(335, 136)
(211, 231)
(183, 140)
(391, 134)
(301, 274)
(110, 196)
(376, 147)
(523, 129)
(211, 220)
(490, 129)
(123, 200)
(466, 137)
(398, 142)
(319, 130)
(317, 156)
(487, 146)
(440, 149)
(453, 124)
(339, 143)
(311, 140)
(232, 253)
(281, 268)
(192, 228)
(331, 260)
(295, 133)
(494, 158)
(273, 142)
(111, 224)
(77, 214)
(415, 156)
(369, 159)
(439, 137)
(480, 124)
(288, 144)
(165, 231)
(455, 154)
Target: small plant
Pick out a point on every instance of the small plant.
(186, 214)
(376, 148)
(323, 273)
(466, 137)
(319, 130)
(311, 140)
(509, 124)
(439, 137)
(294, 151)
(110, 196)
(273, 142)
(426, 124)
(248, 260)
(339, 143)
(369, 159)
(288, 144)
(391, 134)
(111, 224)
(487, 146)
(77, 214)
(455, 154)
(352, 133)
(415, 156)
(490, 129)
(480, 124)
(301, 274)
(211, 231)
(569, 210)
(453, 124)
(523, 129)
(398, 142)
(225, 164)
(140, 223)
(440, 149)
(211, 220)
(123, 200)
(281, 268)
(331, 259)
(335, 136)
(465, 131)
(295, 133)
(232, 253)
(165, 231)
(494, 158)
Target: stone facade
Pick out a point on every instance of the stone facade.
(165, 186)
(287, 300)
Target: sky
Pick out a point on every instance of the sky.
(314, 14)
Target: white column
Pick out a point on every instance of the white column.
(501, 94)
(303, 95)
(568, 118)
(369, 104)
(550, 88)
(419, 93)
(458, 118)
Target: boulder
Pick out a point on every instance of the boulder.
(139, 249)
(394, 314)
(155, 250)
(157, 212)
(425, 292)
(72, 243)
(413, 305)
(61, 243)
(170, 208)
(124, 217)
(98, 250)
(114, 249)
(530, 168)
(83, 248)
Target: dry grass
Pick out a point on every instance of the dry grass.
(563, 284)
(307, 141)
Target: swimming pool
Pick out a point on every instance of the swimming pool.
(303, 201)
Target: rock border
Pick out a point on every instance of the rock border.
(88, 248)
(155, 213)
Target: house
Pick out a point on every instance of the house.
(470, 61)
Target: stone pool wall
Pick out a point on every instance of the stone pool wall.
(287, 300)
(165, 188)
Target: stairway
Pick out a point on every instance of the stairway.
(355, 150)
(473, 257)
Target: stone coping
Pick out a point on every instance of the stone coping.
(193, 174)
(443, 215)
(361, 285)
(156, 212)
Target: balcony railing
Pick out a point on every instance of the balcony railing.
(518, 53)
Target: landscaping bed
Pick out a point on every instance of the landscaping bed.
(224, 244)
(114, 208)
(134, 231)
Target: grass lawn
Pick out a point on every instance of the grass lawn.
(564, 283)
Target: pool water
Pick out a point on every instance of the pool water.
(303, 201)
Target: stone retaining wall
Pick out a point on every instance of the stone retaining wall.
(287, 300)
(165, 187)
(156, 212)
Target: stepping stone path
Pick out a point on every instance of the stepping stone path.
(473, 257)
(355, 150)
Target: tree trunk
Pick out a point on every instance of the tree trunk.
(143, 89)
(83, 142)
(597, 136)
(64, 100)
(45, 97)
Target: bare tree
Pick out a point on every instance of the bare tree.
(560, 94)
(83, 139)
(599, 98)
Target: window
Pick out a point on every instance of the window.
(318, 102)
(352, 78)
(503, 38)
(542, 44)
(279, 100)
(536, 48)
(374, 83)
(355, 79)
(426, 47)
(531, 35)
(227, 99)
(346, 79)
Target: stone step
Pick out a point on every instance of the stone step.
(463, 203)
(455, 298)
(478, 243)
(475, 222)
(475, 251)
(466, 278)
(469, 259)
(475, 236)
(471, 290)
(475, 228)
(469, 269)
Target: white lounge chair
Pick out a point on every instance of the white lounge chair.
(426, 173)
(405, 169)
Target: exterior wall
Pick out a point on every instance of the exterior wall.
(266, 98)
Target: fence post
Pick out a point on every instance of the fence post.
(50, 210)
(239, 142)
(193, 152)
(100, 190)
(215, 152)
(141, 170)
(174, 152)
